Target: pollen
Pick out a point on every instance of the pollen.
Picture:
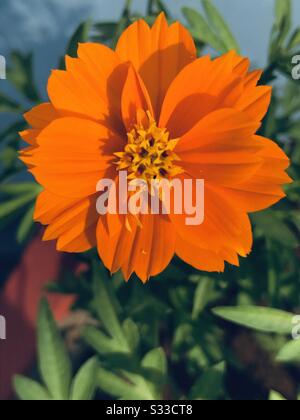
(149, 153)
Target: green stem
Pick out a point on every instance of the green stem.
(127, 8)
(272, 276)
(150, 7)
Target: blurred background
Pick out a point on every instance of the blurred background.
(45, 26)
(200, 349)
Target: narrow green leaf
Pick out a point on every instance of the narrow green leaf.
(258, 318)
(84, 384)
(202, 31)
(112, 384)
(156, 360)
(80, 35)
(25, 225)
(201, 297)
(104, 31)
(121, 26)
(127, 385)
(20, 188)
(11, 206)
(282, 10)
(161, 7)
(132, 334)
(54, 362)
(295, 40)
(272, 225)
(20, 74)
(283, 13)
(100, 342)
(290, 353)
(211, 384)
(275, 396)
(104, 306)
(29, 390)
(220, 26)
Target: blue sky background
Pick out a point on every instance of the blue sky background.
(44, 26)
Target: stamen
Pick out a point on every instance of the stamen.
(149, 153)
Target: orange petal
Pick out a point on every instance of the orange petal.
(158, 54)
(38, 117)
(207, 85)
(134, 98)
(264, 188)
(222, 130)
(255, 101)
(72, 156)
(225, 168)
(72, 222)
(146, 249)
(29, 136)
(197, 257)
(200, 79)
(91, 86)
(224, 225)
(41, 115)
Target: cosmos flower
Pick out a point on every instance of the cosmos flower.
(155, 109)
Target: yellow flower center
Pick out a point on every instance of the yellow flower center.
(149, 153)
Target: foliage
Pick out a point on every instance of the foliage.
(178, 336)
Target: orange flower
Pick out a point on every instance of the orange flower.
(201, 114)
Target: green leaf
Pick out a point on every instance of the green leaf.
(20, 188)
(156, 360)
(211, 384)
(132, 334)
(275, 396)
(202, 31)
(113, 385)
(104, 305)
(125, 386)
(202, 295)
(29, 390)
(84, 384)
(105, 31)
(162, 8)
(283, 13)
(290, 353)
(121, 26)
(258, 318)
(80, 35)
(25, 225)
(20, 74)
(11, 206)
(295, 40)
(101, 343)
(273, 226)
(220, 26)
(145, 384)
(54, 362)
